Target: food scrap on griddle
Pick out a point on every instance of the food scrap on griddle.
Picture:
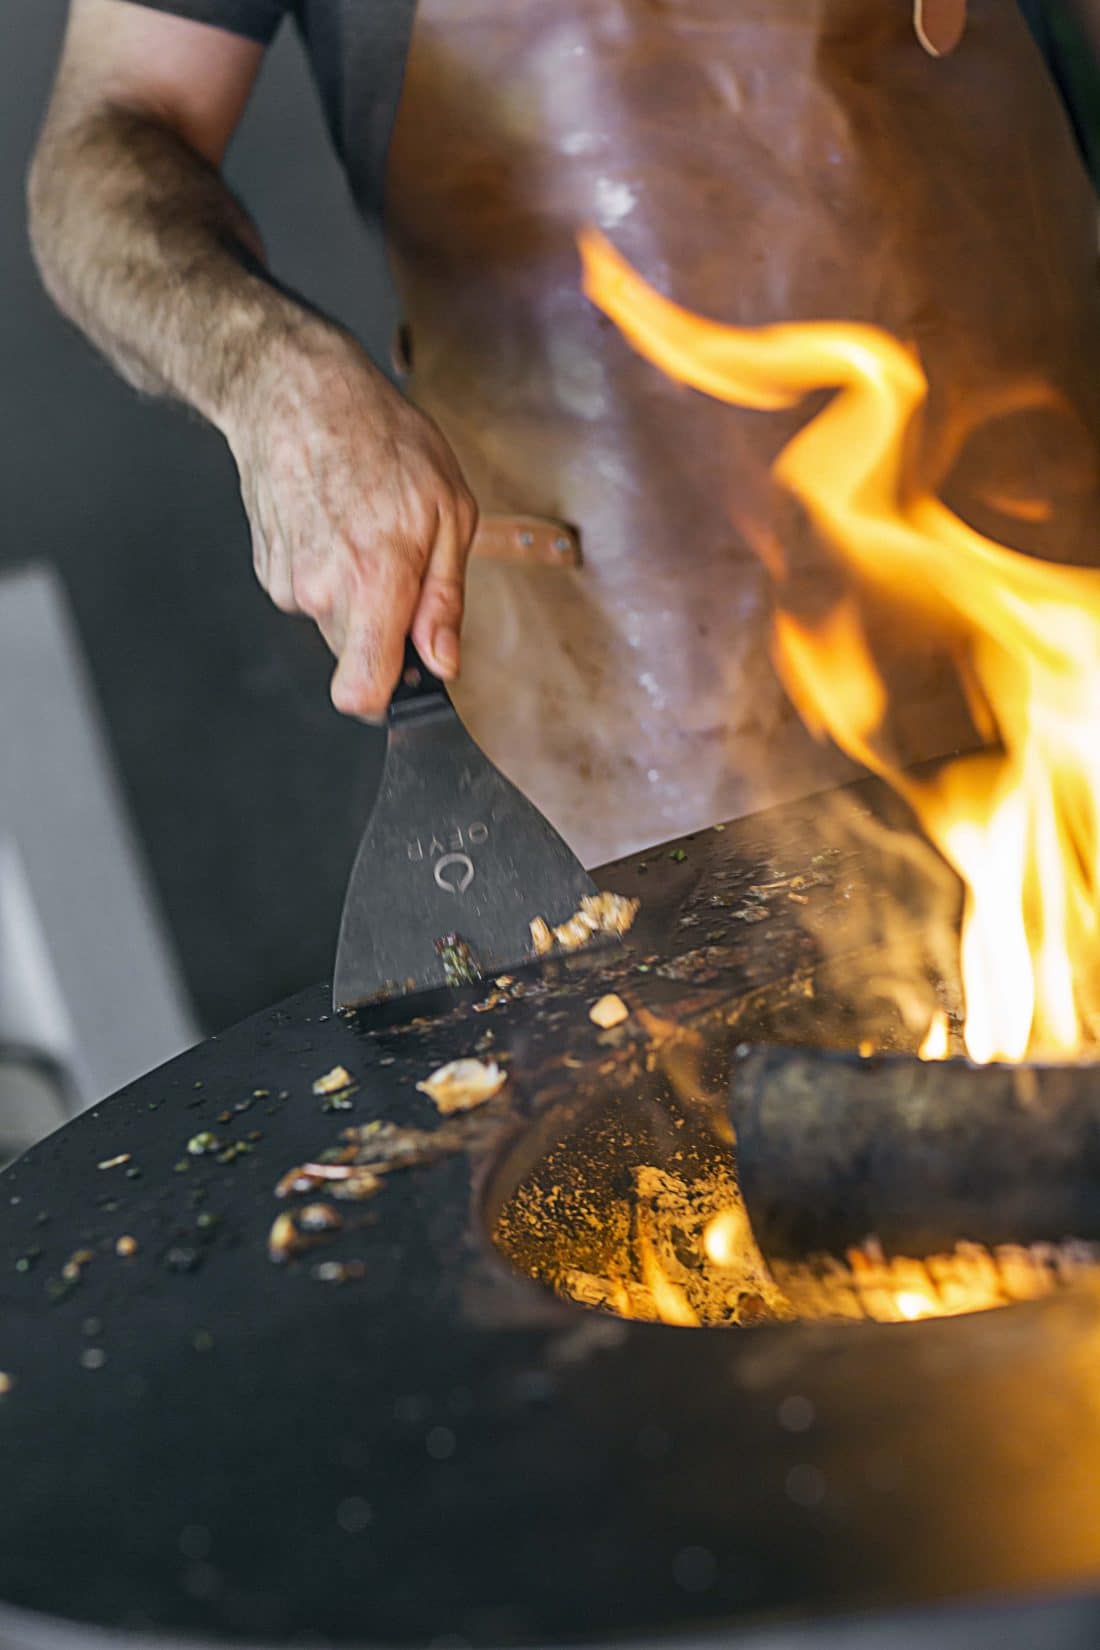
(337, 1081)
(609, 1011)
(463, 1084)
(299, 1229)
(348, 1181)
(603, 913)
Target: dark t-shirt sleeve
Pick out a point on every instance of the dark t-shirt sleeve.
(255, 19)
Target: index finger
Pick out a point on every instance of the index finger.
(376, 622)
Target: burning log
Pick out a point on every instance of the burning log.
(833, 1149)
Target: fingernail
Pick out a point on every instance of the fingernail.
(445, 648)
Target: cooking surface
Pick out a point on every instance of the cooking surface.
(439, 1451)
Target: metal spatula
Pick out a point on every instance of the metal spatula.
(454, 861)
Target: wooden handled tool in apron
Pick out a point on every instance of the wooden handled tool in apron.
(760, 161)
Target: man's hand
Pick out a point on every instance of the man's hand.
(360, 516)
(359, 513)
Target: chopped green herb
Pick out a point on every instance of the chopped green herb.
(336, 1102)
(460, 964)
(238, 1149)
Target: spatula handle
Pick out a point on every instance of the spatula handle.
(418, 689)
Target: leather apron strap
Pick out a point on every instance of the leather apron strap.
(539, 541)
(374, 45)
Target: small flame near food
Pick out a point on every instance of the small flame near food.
(1020, 821)
(672, 1305)
(935, 1044)
(727, 1236)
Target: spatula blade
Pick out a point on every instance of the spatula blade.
(451, 847)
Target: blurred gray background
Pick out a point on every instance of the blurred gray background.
(245, 787)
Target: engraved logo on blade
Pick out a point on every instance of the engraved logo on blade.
(454, 872)
(447, 853)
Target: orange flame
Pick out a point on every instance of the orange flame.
(669, 1300)
(1019, 823)
(936, 1042)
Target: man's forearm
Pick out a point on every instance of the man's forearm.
(143, 246)
(358, 511)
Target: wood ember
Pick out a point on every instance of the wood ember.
(603, 913)
(865, 1283)
(635, 1209)
(601, 1221)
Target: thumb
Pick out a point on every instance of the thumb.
(438, 617)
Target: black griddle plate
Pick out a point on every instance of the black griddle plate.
(200, 1442)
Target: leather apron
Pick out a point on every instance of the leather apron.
(758, 160)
